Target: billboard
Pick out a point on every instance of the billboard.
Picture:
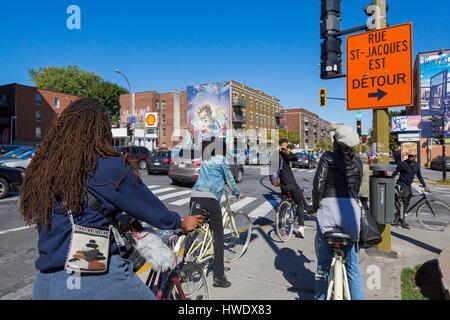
(405, 123)
(208, 111)
(434, 89)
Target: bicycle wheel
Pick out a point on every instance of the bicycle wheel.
(284, 221)
(193, 283)
(237, 233)
(435, 216)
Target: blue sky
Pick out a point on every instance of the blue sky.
(162, 45)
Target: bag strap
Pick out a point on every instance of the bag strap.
(342, 167)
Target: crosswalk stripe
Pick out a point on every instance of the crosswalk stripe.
(263, 209)
(163, 190)
(15, 229)
(301, 170)
(152, 186)
(312, 170)
(242, 203)
(181, 202)
(175, 194)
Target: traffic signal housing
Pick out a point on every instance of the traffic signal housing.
(436, 129)
(323, 97)
(331, 45)
(359, 127)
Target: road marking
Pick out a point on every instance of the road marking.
(441, 188)
(263, 209)
(152, 186)
(9, 199)
(173, 195)
(242, 203)
(417, 188)
(163, 190)
(312, 170)
(181, 202)
(301, 170)
(12, 230)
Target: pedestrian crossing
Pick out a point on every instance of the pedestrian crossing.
(304, 170)
(255, 207)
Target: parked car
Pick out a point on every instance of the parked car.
(136, 153)
(159, 161)
(436, 163)
(184, 170)
(10, 180)
(305, 160)
(5, 148)
(20, 161)
(15, 152)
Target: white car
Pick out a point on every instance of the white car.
(20, 162)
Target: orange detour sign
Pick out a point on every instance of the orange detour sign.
(151, 120)
(379, 68)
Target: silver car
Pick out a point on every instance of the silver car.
(20, 161)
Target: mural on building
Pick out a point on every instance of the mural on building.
(434, 89)
(208, 111)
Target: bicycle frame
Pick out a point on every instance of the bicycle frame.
(205, 247)
(338, 280)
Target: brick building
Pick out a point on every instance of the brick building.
(310, 126)
(171, 110)
(27, 113)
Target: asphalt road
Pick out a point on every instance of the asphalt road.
(18, 243)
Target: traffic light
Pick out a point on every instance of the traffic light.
(323, 97)
(331, 52)
(359, 127)
(129, 130)
(436, 129)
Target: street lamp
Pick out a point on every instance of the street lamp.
(133, 98)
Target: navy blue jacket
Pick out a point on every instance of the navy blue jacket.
(408, 171)
(115, 186)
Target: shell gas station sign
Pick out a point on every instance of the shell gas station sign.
(151, 120)
(379, 68)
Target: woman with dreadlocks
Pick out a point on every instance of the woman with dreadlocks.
(78, 254)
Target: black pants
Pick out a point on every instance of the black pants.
(212, 206)
(299, 200)
(405, 197)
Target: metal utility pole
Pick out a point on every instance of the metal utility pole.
(444, 157)
(381, 124)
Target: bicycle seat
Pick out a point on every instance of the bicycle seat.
(336, 236)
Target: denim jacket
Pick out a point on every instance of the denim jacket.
(214, 173)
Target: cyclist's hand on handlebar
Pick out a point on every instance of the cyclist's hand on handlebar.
(426, 189)
(191, 223)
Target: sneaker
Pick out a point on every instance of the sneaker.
(221, 283)
(404, 225)
(301, 232)
(395, 223)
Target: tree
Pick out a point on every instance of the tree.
(324, 144)
(393, 144)
(73, 80)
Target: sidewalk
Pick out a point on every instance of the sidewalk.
(285, 271)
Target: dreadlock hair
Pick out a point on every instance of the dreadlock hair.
(67, 156)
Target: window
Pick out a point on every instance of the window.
(157, 104)
(163, 104)
(38, 133)
(251, 102)
(38, 99)
(38, 116)
(164, 132)
(251, 116)
(163, 118)
(56, 103)
(3, 99)
(256, 119)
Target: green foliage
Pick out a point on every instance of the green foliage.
(73, 80)
(409, 289)
(393, 144)
(324, 144)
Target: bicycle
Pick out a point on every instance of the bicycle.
(432, 214)
(237, 234)
(286, 216)
(185, 281)
(338, 287)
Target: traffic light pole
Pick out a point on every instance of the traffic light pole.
(381, 124)
(444, 157)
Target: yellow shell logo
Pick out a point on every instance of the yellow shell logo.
(151, 120)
